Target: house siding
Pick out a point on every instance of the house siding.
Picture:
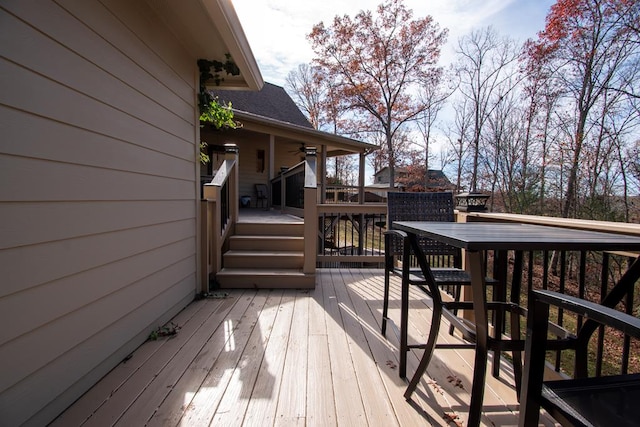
(98, 197)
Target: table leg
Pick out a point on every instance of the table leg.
(476, 270)
(501, 261)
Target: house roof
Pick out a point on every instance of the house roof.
(437, 179)
(386, 168)
(271, 102)
(209, 29)
(272, 111)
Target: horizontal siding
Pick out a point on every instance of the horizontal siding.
(40, 222)
(85, 322)
(62, 258)
(98, 211)
(34, 179)
(79, 110)
(68, 68)
(115, 48)
(23, 135)
(104, 280)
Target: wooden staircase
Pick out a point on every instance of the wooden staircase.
(265, 255)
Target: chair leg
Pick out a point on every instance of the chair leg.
(404, 326)
(516, 355)
(457, 290)
(385, 303)
(428, 351)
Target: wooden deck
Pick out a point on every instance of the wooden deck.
(290, 357)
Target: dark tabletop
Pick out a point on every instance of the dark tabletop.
(477, 236)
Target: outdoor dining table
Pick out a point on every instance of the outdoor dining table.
(478, 237)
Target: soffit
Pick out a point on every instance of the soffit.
(209, 29)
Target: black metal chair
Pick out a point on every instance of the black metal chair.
(444, 260)
(582, 401)
(262, 196)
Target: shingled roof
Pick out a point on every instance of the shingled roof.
(271, 101)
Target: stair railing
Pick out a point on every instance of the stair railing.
(219, 214)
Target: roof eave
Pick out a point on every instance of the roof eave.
(209, 29)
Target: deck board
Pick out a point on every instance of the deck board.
(292, 357)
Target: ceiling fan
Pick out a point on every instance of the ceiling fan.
(299, 150)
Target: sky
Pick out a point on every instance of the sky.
(277, 29)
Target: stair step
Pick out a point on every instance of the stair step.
(265, 278)
(251, 260)
(270, 229)
(266, 243)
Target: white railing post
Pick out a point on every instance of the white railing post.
(310, 211)
(231, 154)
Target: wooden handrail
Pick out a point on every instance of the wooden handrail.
(219, 214)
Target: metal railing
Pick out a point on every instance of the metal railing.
(288, 188)
(351, 235)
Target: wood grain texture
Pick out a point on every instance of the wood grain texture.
(293, 357)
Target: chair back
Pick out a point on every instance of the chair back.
(261, 191)
(437, 206)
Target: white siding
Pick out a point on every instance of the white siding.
(97, 196)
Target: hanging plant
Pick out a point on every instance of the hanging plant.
(220, 116)
(210, 70)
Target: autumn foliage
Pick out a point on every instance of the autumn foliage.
(376, 63)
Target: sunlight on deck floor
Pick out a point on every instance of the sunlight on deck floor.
(291, 357)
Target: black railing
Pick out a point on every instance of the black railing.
(587, 275)
(294, 191)
(350, 238)
(276, 192)
(224, 206)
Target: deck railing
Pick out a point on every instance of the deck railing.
(288, 189)
(351, 235)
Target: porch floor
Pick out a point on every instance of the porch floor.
(291, 357)
(266, 216)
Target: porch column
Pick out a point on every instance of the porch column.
(323, 174)
(361, 177)
(231, 153)
(272, 160)
(310, 211)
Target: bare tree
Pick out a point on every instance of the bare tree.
(587, 45)
(308, 92)
(483, 69)
(434, 97)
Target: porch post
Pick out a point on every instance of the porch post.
(272, 160)
(231, 153)
(310, 211)
(361, 178)
(323, 175)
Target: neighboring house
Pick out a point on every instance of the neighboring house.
(274, 134)
(99, 201)
(382, 176)
(437, 180)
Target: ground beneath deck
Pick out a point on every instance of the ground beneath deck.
(291, 357)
